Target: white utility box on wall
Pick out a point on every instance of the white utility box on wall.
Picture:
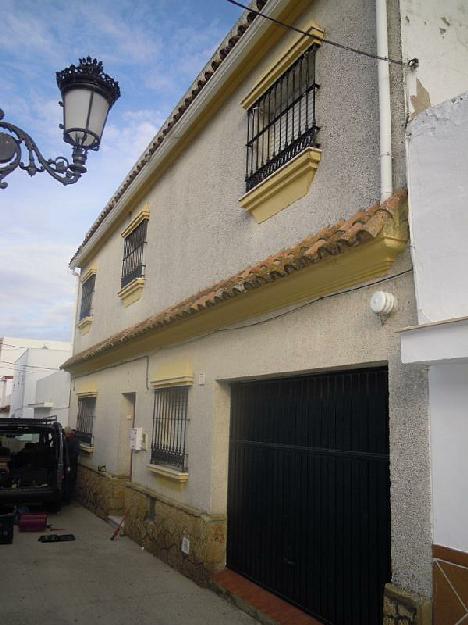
(137, 439)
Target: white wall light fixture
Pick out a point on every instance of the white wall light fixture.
(383, 303)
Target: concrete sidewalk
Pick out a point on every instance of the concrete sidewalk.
(95, 581)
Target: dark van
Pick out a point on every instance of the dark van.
(32, 461)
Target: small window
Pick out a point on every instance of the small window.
(85, 420)
(132, 264)
(281, 123)
(87, 291)
(169, 427)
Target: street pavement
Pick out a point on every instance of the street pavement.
(96, 581)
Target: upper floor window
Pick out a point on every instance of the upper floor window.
(169, 427)
(132, 264)
(85, 419)
(282, 123)
(87, 291)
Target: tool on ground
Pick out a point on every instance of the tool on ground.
(118, 529)
(56, 538)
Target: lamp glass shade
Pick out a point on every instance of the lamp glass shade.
(85, 113)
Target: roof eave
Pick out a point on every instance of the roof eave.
(169, 139)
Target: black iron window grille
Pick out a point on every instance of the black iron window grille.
(87, 291)
(132, 264)
(85, 419)
(282, 122)
(169, 427)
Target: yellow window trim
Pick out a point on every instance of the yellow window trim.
(136, 221)
(88, 449)
(91, 271)
(287, 59)
(84, 394)
(170, 382)
(173, 373)
(180, 477)
(132, 292)
(84, 326)
(284, 187)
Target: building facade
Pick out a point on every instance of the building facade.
(244, 404)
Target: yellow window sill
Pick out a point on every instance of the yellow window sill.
(88, 449)
(84, 326)
(132, 292)
(284, 187)
(167, 472)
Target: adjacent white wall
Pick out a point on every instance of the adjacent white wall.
(33, 365)
(438, 195)
(53, 389)
(436, 33)
(448, 392)
(12, 347)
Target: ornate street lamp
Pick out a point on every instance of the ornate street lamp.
(87, 97)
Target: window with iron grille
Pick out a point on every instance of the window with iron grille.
(169, 427)
(132, 264)
(87, 291)
(85, 419)
(282, 123)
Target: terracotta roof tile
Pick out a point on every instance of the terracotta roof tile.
(332, 240)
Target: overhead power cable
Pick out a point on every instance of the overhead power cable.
(19, 365)
(411, 63)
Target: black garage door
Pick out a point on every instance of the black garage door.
(309, 491)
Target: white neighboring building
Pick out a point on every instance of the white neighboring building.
(53, 397)
(437, 142)
(33, 365)
(11, 348)
(438, 200)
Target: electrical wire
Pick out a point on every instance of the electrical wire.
(300, 307)
(342, 46)
(15, 365)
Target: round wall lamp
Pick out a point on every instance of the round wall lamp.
(383, 303)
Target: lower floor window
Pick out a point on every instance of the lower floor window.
(169, 427)
(85, 420)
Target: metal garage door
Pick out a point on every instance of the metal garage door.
(309, 491)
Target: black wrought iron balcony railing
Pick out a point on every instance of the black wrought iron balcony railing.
(282, 123)
(85, 420)
(132, 264)
(169, 427)
(87, 292)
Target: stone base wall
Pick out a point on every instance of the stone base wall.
(403, 608)
(160, 526)
(100, 492)
(450, 572)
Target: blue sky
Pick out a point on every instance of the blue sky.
(154, 48)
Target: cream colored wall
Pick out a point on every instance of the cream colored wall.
(199, 234)
(338, 332)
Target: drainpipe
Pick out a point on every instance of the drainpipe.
(385, 111)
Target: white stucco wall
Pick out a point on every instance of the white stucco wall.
(12, 347)
(55, 389)
(438, 198)
(448, 392)
(33, 365)
(436, 33)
